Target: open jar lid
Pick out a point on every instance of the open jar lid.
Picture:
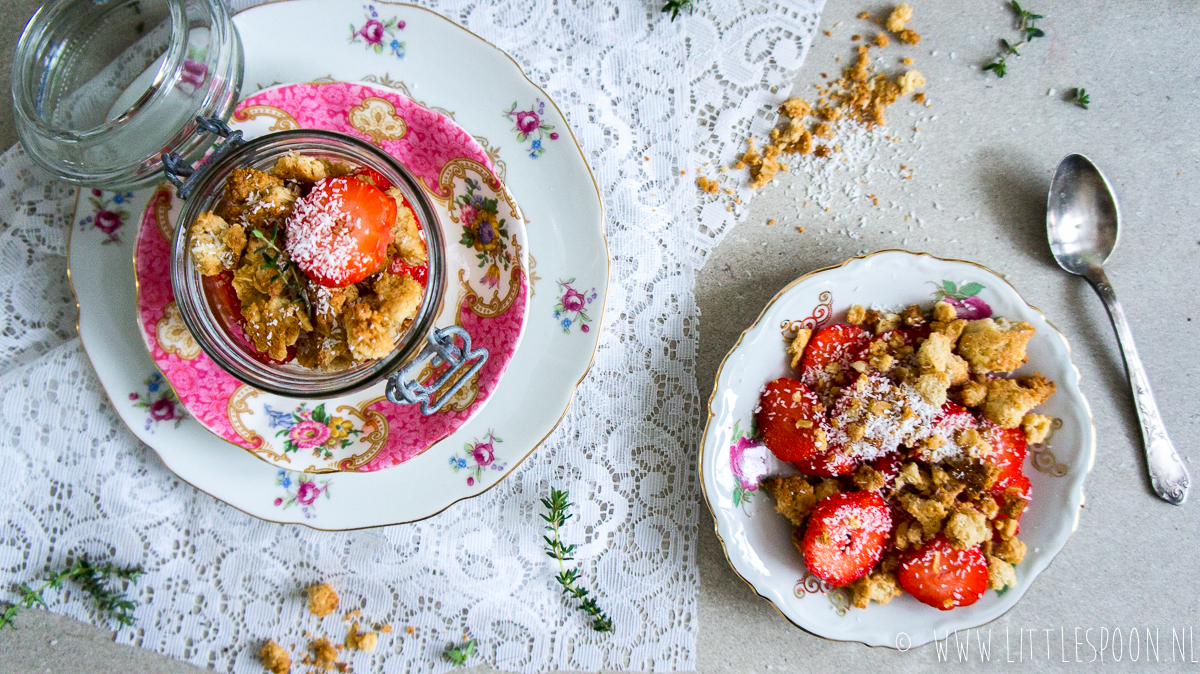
(102, 89)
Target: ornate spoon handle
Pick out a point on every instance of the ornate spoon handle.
(1167, 473)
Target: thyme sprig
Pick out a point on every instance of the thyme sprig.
(556, 517)
(274, 259)
(459, 656)
(676, 6)
(1080, 97)
(1027, 25)
(95, 580)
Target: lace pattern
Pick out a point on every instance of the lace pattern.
(639, 91)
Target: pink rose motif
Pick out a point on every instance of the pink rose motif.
(307, 492)
(162, 409)
(573, 300)
(108, 222)
(309, 434)
(970, 308)
(484, 454)
(468, 215)
(528, 122)
(372, 32)
(748, 461)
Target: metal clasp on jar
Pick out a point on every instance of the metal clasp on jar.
(402, 386)
(181, 174)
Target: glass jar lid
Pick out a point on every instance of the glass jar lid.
(102, 88)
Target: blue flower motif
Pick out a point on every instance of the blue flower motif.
(278, 419)
(566, 322)
(287, 482)
(118, 198)
(537, 144)
(462, 463)
(533, 155)
(395, 45)
(453, 462)
(153, 385)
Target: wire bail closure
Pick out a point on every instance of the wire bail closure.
(402, 387)
(181, 174)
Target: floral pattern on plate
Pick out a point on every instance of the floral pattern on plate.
(477, 456)
(531, 126)
(159, 401)
(571, 308)
(300, 489)
(305, 429)
(374, 33)
(749, 462)
(108, 216)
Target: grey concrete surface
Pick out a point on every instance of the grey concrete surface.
(981, 173)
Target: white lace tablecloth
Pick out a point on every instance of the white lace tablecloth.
(633, 85)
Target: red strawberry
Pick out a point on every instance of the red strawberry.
(370, 175)
(889, 466)
(1008, 453)
(952, 419)
(827, 464)
(845, 536)
(839, 343)
(944, 577)
(784, 403)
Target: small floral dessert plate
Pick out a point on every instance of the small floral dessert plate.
(758, 541)
(485, 262)
(429, 59)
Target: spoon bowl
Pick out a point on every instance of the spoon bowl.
(1082, 217)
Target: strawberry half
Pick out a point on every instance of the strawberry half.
(827, 464)
(846, 535)
(838, 343)
(1008, 453)
(952, 419)
(943, 577)
(788, 416)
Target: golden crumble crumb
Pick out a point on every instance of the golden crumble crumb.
(899, 17)
(909, 36)
(867, 478)
(881, 40)
(794, 497)
(300, 168)
(216, 244)
(855, 38)
(275, 659)
(944, 312)
(910, 82)
(1011, 551)
(967, 527)
(879, 586)
(907, 60)
(800, 229)
(410, 629)
(888, 322)
(770, 222)
(928, 512)
(707, 185)
(822, 151)
(856, 315)
(828, 34)
(1008, 400)
(919, 97)
(822, 130)
(322, 600)
(798, 344)
(1000, 574)
(1036, 428)
(864, 15)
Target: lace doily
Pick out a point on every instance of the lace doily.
(633, 85)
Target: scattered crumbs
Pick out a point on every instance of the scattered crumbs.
(801, 230)
(410, 629)
(864, 15)
(828, 34)
(907, 60)
(647, 158)
(855, 38)
(274, 658)
(386, 629)
(683, 172)
(706, 185)
(770, 222)
(322, 600)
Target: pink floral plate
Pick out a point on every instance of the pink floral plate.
(487, 294)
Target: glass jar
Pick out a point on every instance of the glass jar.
(208, 323)
(101, 88)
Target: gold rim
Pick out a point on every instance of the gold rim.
(1089, 451)
(574, 389)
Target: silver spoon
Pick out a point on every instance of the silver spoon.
(1082, 222)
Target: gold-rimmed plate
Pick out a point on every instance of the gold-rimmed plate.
(757, 541)
(541, 164)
